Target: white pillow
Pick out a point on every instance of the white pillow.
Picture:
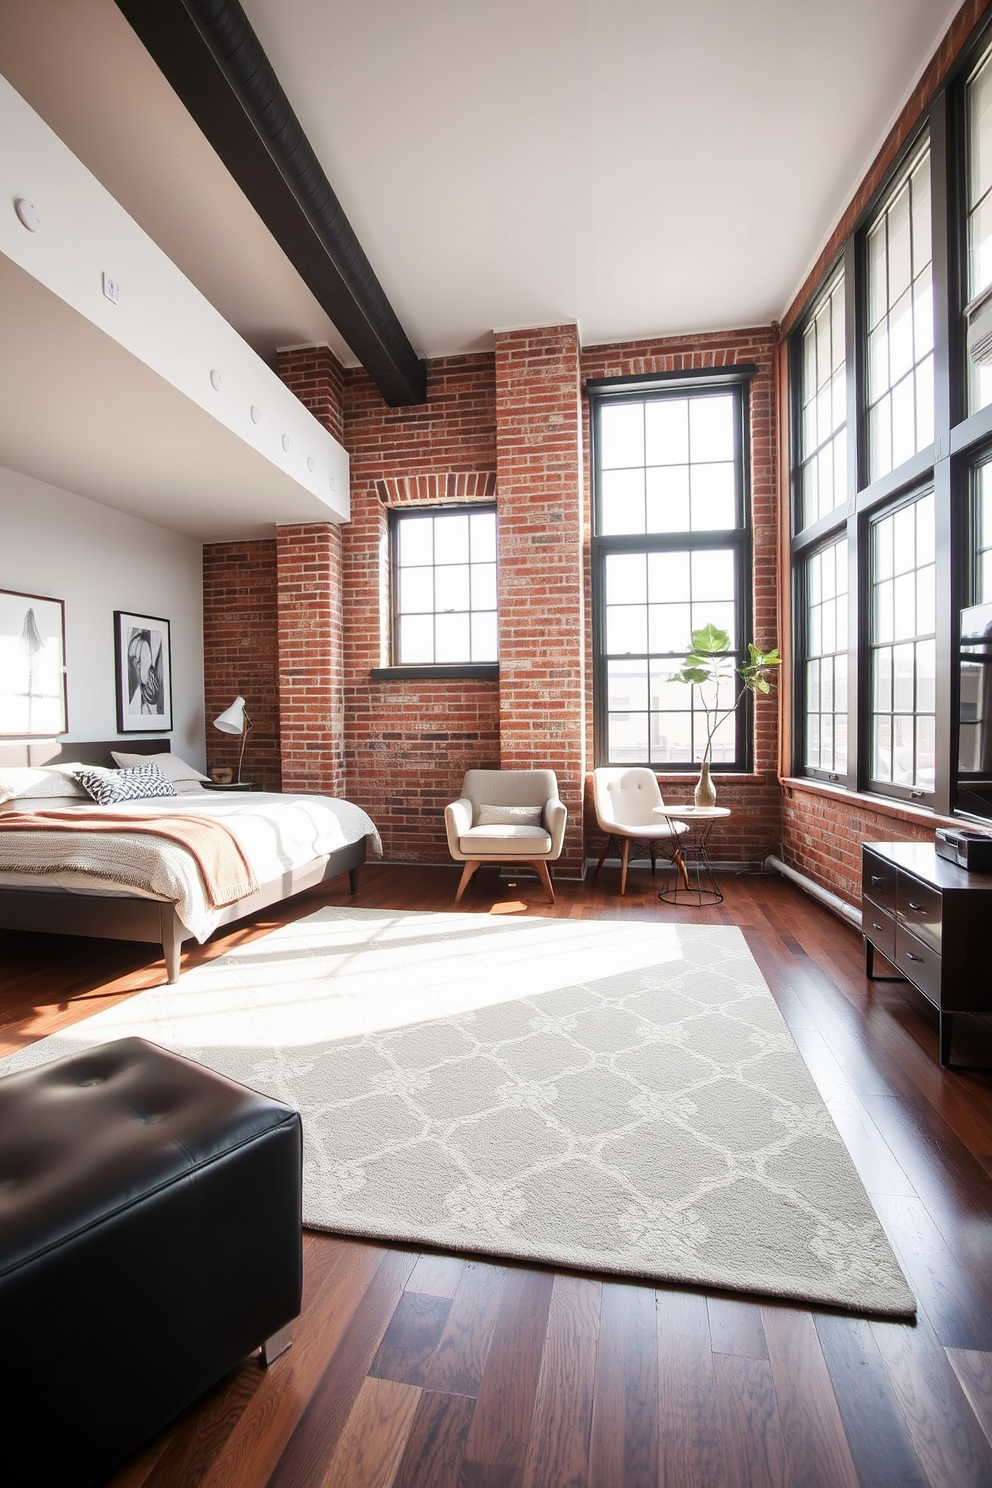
(32, 782)
(137, 783)
(510, 816)
(183, 776)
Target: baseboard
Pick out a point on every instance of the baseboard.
(817, 891)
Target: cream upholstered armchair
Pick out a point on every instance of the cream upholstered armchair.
(506, 816)
(625, 800)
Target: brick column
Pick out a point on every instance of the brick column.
(311, 706)
(309, 586)
(541, 607)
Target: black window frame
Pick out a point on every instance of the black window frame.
(638, 389)
(424, 671)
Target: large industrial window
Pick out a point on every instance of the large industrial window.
(444, 586)
(671, 546)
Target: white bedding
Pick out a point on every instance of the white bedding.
(276, 833)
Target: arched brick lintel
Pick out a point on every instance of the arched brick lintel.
(409, 490)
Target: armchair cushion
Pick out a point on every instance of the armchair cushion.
(504, 841)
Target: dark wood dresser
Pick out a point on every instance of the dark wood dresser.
(932, 921)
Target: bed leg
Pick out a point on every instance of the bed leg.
(353, 880)
(172, 945)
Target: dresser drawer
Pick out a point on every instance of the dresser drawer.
(879, 927)
(878, 881)
(919, 962)
(919, 907)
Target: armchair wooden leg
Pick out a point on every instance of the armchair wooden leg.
(602, 856)
(624, 855)
(541, 868)
(471, 864)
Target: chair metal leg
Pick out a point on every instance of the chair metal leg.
(471, 864)
(541, 868)
(277, 1344)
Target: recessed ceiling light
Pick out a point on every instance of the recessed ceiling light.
(28, 213)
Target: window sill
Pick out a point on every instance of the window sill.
(484, 671)
(881, 805)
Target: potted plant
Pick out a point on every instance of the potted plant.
(707, 665)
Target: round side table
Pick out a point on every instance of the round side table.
(692, 876)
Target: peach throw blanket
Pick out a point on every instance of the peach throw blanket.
(227, 874)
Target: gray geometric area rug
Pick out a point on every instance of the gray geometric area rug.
(622, 1097)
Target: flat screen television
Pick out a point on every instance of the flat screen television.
(974, 782)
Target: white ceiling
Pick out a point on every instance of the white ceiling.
(643, 167)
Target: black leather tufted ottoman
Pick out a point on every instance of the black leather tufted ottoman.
(150, 1239)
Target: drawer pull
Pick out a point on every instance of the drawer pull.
(876, 926)
(877, 878)
(919, 908)
(911, 957)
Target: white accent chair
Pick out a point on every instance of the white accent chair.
(506, 816)
(624, 800)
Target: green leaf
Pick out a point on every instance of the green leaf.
(710, 640)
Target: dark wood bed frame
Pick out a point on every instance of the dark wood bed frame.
(59, 912)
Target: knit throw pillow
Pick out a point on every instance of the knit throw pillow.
(509, 816)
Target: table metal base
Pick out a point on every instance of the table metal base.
(691, 878)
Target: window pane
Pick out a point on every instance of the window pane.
(903, 674)
(626, 578)
(452, 638)
(484, 642)
(483, 586)
(979, 208)
(711, 428)
(713, 497)
(482, 530)
(622, 501)
(826, 664)
(621, 434)
(416, 540)
(416, 590)
(900, 340)
(416, 639)
(983, 531)
(668, 576)
(823, 476)
(451, 539)
(668, 499)
(667, 431)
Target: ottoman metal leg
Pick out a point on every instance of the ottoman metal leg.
(277, 1344)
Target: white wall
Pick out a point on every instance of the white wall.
(98, 560)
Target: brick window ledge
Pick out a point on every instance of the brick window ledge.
(865, 800)
(484, 671)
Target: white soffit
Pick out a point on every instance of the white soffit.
(144, 404)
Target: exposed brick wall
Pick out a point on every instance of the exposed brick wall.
(755, 799)
(308, 562)
(316, 376)
(240, 653)
(408, 743)
(823, 829)
(541, 593)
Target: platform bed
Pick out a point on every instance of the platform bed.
(121, 917)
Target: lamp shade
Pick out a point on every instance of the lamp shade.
(232, 720)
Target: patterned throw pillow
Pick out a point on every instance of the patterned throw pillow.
(184, 777)
(510, 816)
(110, 786)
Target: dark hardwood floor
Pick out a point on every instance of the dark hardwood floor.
(449, 1372)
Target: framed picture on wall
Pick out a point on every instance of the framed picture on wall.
(144, 673)
(32, 666)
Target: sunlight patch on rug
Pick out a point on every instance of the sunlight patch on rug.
(617, 1097)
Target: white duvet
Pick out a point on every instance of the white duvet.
(276, 833)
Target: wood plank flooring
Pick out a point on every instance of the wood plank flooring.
(418, 1370)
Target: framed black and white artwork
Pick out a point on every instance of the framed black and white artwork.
(144, 673)
(32, 666)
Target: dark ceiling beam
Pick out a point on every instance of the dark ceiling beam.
(214, 62)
